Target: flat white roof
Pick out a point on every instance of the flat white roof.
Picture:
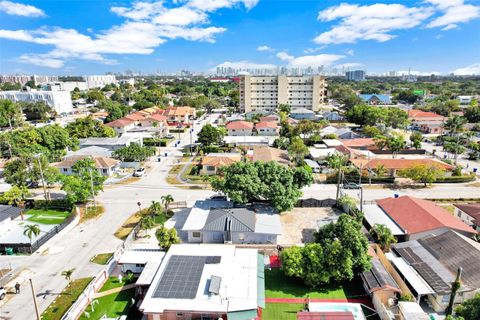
(412, 311)
(332, 142)
(374, 214)
(415, 280)
(146, 277)
(249, 139)
(268, 223)
(140, 257)
(238, 287)
(320, 153)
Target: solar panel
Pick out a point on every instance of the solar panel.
(213, 259)
(181, 277)
(214, 285)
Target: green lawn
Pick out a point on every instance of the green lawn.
(47, 216)
(65, 299)
(113, 305)
(112, 283)
(281, 311)
(277, 285)
(102, 258)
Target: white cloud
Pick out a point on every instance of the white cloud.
(309, 60)
(350, 52)
(369, 22)
(453, 12)
(313, 50)
(473, 69)
(147, 25)
(18, 9)
(418, 73)
(244, 64)
(265, 48)
(41, 60)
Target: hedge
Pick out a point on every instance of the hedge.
(353, 178)
(52, 204)
(153, 142)
(456, 179)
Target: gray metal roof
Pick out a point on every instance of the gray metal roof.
(453, 251)
(378, 277)
(233, 219)
(9, 212)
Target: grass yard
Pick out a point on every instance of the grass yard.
(281, 311)
(113, 305)
(47, 216)
(127, 227)
(65, 299)
(112, 283)
(88, 213)
(277, 285)
(102, 258)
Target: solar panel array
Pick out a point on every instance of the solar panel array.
(424, 270)
(181, 277)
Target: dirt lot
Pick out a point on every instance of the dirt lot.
(299, 224)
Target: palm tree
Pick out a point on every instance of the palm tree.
(68, 276)
(31, 230)
(155, 208)
(166, 200)
(454, 124)
(147, 223)
(384, 236)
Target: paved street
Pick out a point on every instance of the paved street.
(462, 160)
(76, 248)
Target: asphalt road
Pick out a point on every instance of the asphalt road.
(76, 248)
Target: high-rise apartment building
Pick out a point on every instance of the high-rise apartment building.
(99, 81)
(356, 75)
(22, 79)
(266, 93)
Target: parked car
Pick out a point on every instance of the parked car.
(350, 185)
(3, 293)
(218, 197)
(139, 172)
(169, 136)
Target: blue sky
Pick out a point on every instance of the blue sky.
(93, 37)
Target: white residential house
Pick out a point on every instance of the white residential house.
(7, 214)
(110, 143)
(240, 128)
(213, 221)
(267, 128)
(105, 166)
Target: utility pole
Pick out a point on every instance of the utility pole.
(43, 179)
(91, 186)
(340, 178)
(37, 312)
(361, 198)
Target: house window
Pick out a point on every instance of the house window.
(196, 234)
(65, 169)
(210, 168)
(104, 171)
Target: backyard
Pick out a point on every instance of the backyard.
(47, 216)
(278, 286)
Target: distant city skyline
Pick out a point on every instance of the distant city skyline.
(94, 37)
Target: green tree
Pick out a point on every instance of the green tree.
(469, 309)
(209, 135)
(78, 186)
(10, 114)
(133, 153)
(155, 208)
(89, 127)
(282, 107)
(37, 110)
(67, 274)
(146, 223)
(166, 237)
(297, 149)
(472, 114)
(339, 252)
(383, 235)
(95, 96)
(395, 143)
(15, 196)
(371, 131)
(396, 118)
(454, 125)
(423, 173)
(166, 201)
(336, 160)
(416, 139)
(281, 143)
(245, 182)
(366, 115)
(31, 230)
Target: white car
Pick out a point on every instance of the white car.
(3, 293)
(139, 172)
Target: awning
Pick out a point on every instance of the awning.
(242, 315)
(420, 286)
(260, 282)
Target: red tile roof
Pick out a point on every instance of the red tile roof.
(238, 125)
(157, 117)
(423, 114)
(123, 122)
(397, 164)
(135, 116)
(266, 124)
(415, 215)
(359, 142)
